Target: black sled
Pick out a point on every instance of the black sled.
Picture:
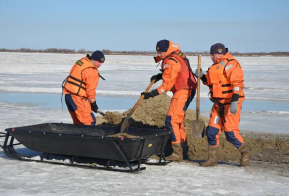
(86, 146)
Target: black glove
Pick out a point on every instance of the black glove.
(94, 106)
(157, 77)
(150, 94)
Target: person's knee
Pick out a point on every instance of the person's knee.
(93, 119)
(211, 135)
(168, 123)
(235, 139)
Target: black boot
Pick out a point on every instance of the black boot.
(168, 148)
(185, 148)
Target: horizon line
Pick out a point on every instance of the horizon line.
(65, 50)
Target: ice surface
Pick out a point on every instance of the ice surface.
(266, 80)
(128, 76)
(265, 77)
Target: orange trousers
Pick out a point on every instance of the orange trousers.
(80, 110)
(231, 126)
(176, 115)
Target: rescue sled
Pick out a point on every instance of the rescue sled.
(88, 144)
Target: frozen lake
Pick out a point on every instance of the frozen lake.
(35, 80)
(30, 93)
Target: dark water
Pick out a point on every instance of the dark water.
(49, 100)
(257, 115)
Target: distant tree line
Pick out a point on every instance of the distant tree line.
(48, 50)
(109, 52)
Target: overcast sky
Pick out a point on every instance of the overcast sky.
(243, 26)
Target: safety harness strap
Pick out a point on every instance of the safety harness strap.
(80, 81)
(221, 109)
(77, 86)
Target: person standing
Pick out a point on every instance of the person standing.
(79, 88)
(225, 81)
(178, 78)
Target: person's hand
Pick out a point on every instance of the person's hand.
(94, 106)
(146, 95)
(199, 73)
(234, 103)
(156, 77)
(150, 94)
(233, 107)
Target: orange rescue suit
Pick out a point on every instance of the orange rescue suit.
(81, 80)
(178, 78)
(185, 79)
(224, 79)
(79, 90)
(176, 72)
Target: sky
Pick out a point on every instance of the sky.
(243, 26)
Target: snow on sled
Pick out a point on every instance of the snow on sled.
(88, 145)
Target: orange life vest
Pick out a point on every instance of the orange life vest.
(74, 82)
(220, 86)
(185, 79)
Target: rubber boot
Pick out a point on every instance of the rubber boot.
(244, 161)
(177, 154)
(212, 161)
(168, 148)
(185, 148)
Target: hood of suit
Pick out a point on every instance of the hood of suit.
(172, 47)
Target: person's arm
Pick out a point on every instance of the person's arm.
(170, 74)
(90, 77)
(234, 71)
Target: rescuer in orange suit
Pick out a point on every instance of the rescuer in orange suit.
(225, 81)
(178, 78)
(79, 88)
